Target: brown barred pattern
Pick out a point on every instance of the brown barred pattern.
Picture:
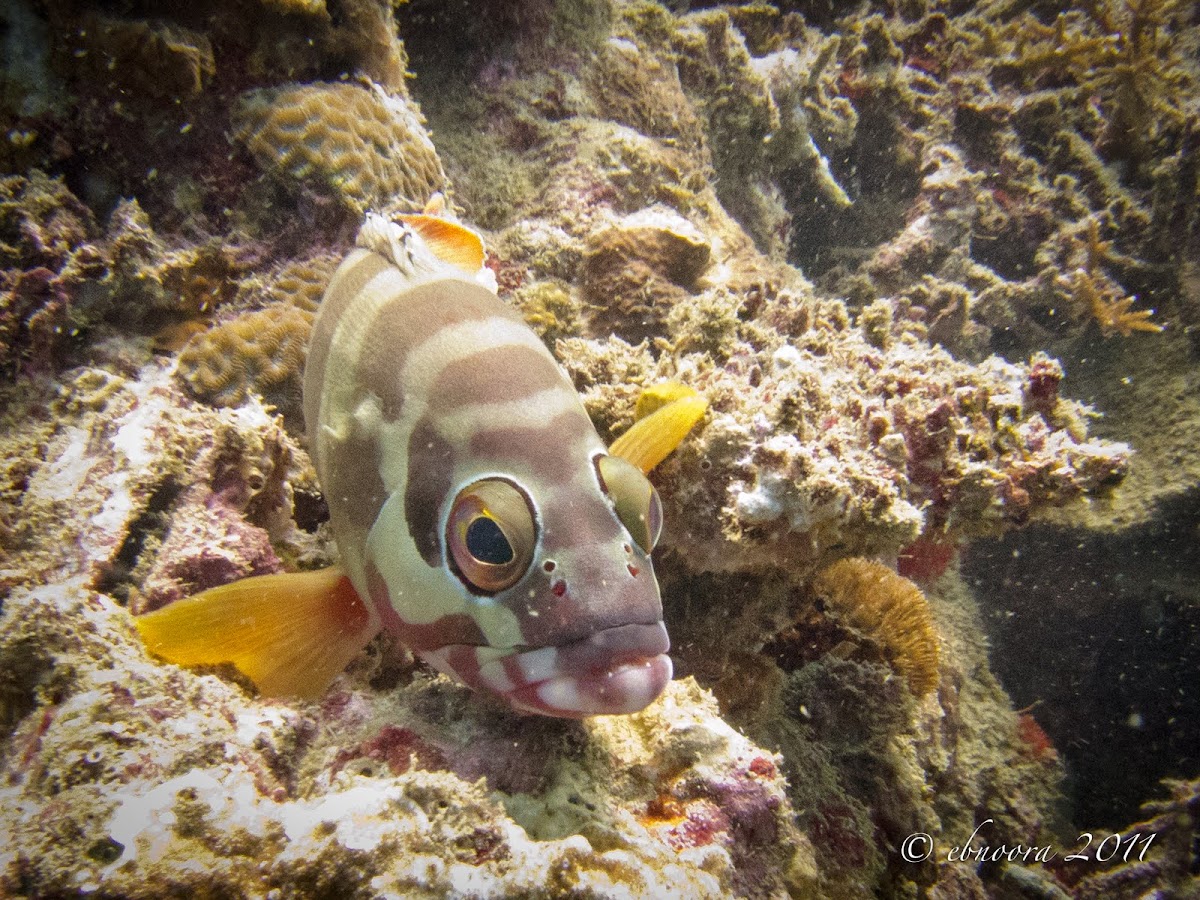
(420, 382)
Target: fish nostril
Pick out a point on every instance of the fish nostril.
(549, 565)
(628, 549)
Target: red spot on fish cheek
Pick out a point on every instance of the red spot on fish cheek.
(633, 570)
(558, 588)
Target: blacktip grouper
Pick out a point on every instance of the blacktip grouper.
(478, 515)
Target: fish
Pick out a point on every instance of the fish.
(478, 516)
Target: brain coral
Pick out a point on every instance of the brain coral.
(259, 351)
(300, 282)
(361, 144)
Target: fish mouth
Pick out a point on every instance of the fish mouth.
(614, 671)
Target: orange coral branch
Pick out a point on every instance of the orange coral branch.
(1113, 314)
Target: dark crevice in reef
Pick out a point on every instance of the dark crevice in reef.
(1100, 635)
(825, 235)
(151, 523)
(309, 510)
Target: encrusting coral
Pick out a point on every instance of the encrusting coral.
(362, 145)
(635, 272)
(887, 609)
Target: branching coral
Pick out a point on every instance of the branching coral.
(364, 146)
(1143, 78)
(1125, 53)
(1100, 296)
(1112, 313)
(888, 610)
(1161, 855)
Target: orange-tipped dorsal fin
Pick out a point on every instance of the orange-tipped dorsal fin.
(450, 242)
(290, 634)
(665, 414)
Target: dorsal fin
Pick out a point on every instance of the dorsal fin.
(450, 242)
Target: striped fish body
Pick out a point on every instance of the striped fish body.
(475, 508)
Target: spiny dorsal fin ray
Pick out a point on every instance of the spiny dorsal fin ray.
(450, 242)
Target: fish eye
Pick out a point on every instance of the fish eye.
(491, 535)
(634, 499)
(487, 543)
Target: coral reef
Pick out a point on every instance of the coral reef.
(44, 256)
(1030, 129)
(410, 792)
(866, 235)
(364, 146)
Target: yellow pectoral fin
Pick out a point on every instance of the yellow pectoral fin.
(450, 242)
(291, 634)
(666, 413)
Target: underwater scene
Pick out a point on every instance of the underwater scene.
(600, 449)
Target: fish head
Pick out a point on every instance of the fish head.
(558, 573)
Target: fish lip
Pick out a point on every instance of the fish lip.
(592, 655)
(613, 671)
(616, 670)
(622, 644)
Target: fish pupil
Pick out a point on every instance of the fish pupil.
(487, 543)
